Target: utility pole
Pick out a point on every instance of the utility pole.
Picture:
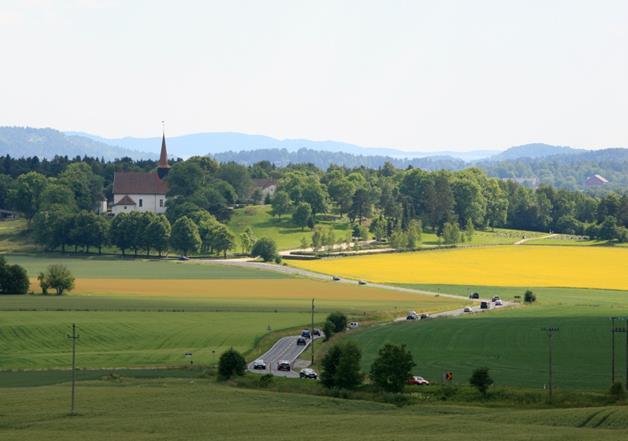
(550, 332)
(613, 331)
(612, 350)
(74, 337)
(312, 332)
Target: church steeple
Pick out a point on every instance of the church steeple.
(163, 168)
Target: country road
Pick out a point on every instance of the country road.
(285, 348)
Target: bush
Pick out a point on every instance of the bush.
(266, 380)
(265, 248)
(392, 368)
(617, 391)
(231, 363)
(341, 367)
(57, 277)
(329, 329)
(529, 297)
(481, 380)
(339, 321)
(13, 278)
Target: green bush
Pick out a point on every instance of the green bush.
(339, 321)
(265, 248)
(392, 368)
(231, 363)
(529, 297)
(481, 380)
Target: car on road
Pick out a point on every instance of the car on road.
(495, 298)
(259, 365)
(308, 373)
(283, 365)
(484, 305)
(316, 332)
(301, 341)
(475, 295)
(412, 315)
(335, 278)
(184, 258)
(468, 309)
(361, 282)
(306, 333)
(424, 316)
(498, 302)
(353, 325)
(418, 381)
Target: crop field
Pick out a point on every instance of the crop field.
(199, 409)
(511, 343)
(524, 266)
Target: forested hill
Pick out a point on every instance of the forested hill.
(567, 171)
(322, 160)
(48, 143)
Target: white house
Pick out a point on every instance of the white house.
(141, 191)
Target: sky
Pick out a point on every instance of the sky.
(416, 75)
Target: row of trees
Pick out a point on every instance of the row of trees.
(14, 279)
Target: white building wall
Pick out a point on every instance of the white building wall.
(155, 203)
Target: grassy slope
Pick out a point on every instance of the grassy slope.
(200, 409)
(282, 231)
(511, 343)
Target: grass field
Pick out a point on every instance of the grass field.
(197, 409)
(524, 266)
(573, 241)
(510, 342)
(282, 231)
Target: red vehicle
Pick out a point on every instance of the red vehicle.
(419, 381)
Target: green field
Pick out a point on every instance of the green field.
(198, 409)
(510, 342)
(119, 268)
(573, 241)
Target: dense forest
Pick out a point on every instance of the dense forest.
(58, 199)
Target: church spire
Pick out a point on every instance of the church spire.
(162, 169)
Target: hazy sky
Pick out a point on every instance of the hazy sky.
(419, 75)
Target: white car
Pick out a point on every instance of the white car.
(468, 309)
(353, 325)
(498, 302)
(259, 365)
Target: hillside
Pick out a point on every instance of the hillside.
(48, 143)
(534, 151)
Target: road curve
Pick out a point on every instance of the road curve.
(285, 348)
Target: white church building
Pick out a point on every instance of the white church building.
(141, 191)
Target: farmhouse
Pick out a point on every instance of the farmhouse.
(595, 181)
(141, 191)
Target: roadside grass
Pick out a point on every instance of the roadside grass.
(582, 267)
(198, 409)
(567, 240)
(282, 231)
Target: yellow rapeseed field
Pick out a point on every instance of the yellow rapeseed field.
(525, 266)
(267, 293)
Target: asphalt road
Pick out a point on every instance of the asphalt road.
(286, 348)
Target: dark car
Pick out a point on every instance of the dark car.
(475, 295)
(484, 305)
(495, 298)
(424, 316)
(184, 258)
(308, 373)
(301, 341)
(306, 333)
(411, 317)
(361, 282)
(335, 278)
(283, 365)
(316, 332)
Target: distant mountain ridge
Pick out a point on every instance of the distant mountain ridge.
(47, 143)
(535, 150)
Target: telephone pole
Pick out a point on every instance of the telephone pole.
(550, 333)
(312, 332)
(73, 337)
(613, 331)
(612, 350)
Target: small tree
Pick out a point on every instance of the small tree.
(265, 248)
(481, 380)
(43, 284)
(185, 236)
(317, 239)
(339, 321)
(529, 297)
(231, 363)
(302, 215)
(13, 278)
(329, 329)
(59, 278)
(469, 230)
(341, 367)
(392, 368)
(451, 233)
(247, 240)
(280, 204)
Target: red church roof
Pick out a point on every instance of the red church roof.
(138, 183)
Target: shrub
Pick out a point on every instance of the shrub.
(13, 279)
(266, 380)
(392, 368)
(231, 363)
(529, 297)
(339, 321)
(265, 248)
(341, 367)
(329, 329)
(481, 380)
